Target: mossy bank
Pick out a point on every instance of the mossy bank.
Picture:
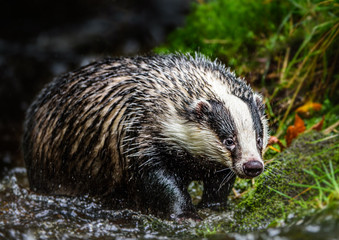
(276, 198)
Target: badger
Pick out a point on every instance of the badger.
(137, 131)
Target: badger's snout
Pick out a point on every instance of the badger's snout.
(253, 168)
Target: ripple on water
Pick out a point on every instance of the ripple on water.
(27, 215)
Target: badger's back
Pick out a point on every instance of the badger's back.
(75, 128)
(89, 130)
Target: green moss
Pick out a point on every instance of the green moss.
(274, 197)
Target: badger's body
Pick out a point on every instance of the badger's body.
(141, 129)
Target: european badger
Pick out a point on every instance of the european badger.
(138, 130)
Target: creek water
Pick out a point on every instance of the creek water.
(26, 215)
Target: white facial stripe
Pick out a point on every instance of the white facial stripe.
(265, 130)
(264, 122)
(218, 87)
(246, 135)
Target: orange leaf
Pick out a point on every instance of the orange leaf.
(291, 134)
(294, 130)
(307, 107)
(318, 126)
(299, 124)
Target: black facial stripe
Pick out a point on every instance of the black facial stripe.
(221, 120)
(222, 123)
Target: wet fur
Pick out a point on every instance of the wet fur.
(140, 129)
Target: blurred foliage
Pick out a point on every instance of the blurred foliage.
(229, 30)
(288, 49)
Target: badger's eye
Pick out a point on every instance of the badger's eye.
(259, 142)
(229, 143)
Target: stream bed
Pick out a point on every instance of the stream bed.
(26, 215)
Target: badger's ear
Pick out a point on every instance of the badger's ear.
(201, 108)
(260, 103)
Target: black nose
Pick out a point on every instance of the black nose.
(252, 168)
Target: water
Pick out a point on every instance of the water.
(26, 215)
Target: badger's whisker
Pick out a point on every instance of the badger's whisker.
(226, 179)
(224, 169)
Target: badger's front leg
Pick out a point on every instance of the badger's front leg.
(164, 193)
(217, 186)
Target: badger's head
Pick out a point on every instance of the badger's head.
(231, 131)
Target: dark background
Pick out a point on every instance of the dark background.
(41, 39)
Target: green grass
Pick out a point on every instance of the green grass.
(310, 67)
(325, 179)
(326, 184)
